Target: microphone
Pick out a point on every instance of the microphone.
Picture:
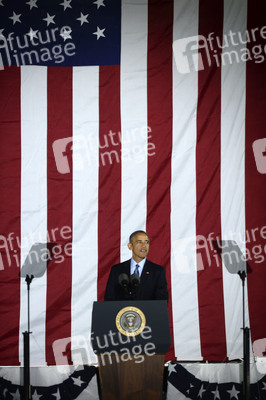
(123, 280)
(134, 279)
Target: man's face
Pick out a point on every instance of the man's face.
(139, 246)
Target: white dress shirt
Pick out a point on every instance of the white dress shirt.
(133, 264)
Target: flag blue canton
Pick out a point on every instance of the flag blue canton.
(60, 32)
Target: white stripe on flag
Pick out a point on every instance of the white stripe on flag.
(233, 169)
(133, 120)
(183, 195)
(33, 201)
(85, 202)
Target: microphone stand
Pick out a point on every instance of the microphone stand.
(246, 347)
(26, 347)
(134, 282)
(129, 287)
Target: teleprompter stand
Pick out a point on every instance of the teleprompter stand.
(238, 267)
(246, 346)
(26, 346)
(34, 266)
(130, 367)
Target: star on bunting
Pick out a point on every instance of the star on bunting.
(201, 391)
(233, 393)
(16, 396)
(57, 395)
(171, 368)
(77, 381)
(36, 396)
(216, 394)
(190, 387)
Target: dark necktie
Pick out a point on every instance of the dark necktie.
(136, 270)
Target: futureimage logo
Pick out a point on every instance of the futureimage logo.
(196, 53)
(29, 49)
(259, 150)
(81, 151)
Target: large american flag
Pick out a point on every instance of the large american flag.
(115, 129)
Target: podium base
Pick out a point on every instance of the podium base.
(130, 379)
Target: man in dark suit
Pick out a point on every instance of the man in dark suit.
(152, 283)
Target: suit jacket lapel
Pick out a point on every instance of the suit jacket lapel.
(128, 267)
(145, 273)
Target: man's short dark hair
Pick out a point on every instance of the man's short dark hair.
(136, 233)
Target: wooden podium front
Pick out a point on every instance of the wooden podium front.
(131, 364)
(126, 380)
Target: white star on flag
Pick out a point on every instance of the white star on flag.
(233, 392)
(66, 33)
(99, 33)
(99, 3)
(216, 393)
(32, 34)
(83, 18)
(15, 17)
(49, 19)
(66, 4)
(32, 3)
(264, 386)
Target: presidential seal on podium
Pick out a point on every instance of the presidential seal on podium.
(130, 321)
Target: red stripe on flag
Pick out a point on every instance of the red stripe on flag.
(59, 206)
(160, 39)
(208, 214)
(255, 192)
(109, 203)
(10, 177)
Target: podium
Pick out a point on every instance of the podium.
(130, 339)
